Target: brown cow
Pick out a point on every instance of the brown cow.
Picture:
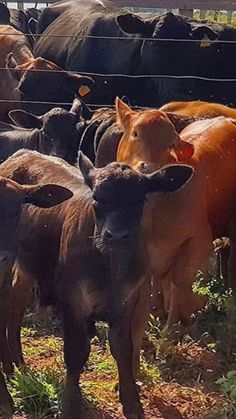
(96, 268)
(199, 109)
(201, 212)
(12, 196)
(18, 82)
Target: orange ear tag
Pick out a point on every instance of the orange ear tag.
(84, 90)
(205, 42)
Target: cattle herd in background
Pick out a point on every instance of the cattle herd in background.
(110, 212)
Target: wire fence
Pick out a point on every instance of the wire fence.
(127, 38)
(121, 75)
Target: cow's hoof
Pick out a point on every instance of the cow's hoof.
(136, 413)
(135, 416)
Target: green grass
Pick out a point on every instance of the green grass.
(37, 393)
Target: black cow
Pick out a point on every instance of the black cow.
(97, 268)
(6, 402)
(134, 55)
(54, 133)
(24, 21)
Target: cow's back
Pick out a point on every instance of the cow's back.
(199, 109)
(214, 159)
(41, 230)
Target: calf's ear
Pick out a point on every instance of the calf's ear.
(169, 179)
(123, 113)
(25, 119)
(46, 196)
(32, 25)
(183, 151)
(86, 167)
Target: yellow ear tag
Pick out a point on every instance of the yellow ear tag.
(84, 90)
(205, 42)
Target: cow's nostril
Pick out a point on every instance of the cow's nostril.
(125, 236)
(4, 257)
(108, 235)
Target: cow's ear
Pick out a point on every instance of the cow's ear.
(32, 25)
(202, 32)
(86, 167)
(25, 119)
(11, 65)
(79, 85)
(123, 114)
(46, 196)
(5, 16)
(169, 179)
(183, 150)
(133, 24)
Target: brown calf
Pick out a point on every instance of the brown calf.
(196, 215)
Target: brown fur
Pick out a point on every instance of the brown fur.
(180, 229)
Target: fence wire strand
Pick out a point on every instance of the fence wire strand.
(130, 76)
(123, 38)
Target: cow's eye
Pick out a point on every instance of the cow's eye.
(135, 134)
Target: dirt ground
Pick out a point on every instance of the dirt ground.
(177, 385)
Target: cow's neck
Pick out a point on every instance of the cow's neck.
(32, 142)
(127, 271)
(23, 54)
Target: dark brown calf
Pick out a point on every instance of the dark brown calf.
(6, 403)
(12, 196)
(88, 257)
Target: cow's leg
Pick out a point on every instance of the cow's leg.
(231, 264)
(76, 353)
(6, 402)
(161, 295)
(193, 254)
(140, 317)
(21, 291)
(120, 337)
(5, 300)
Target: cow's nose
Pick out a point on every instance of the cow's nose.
(4, 256)
(117, 236)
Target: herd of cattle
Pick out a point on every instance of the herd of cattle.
(110, 212)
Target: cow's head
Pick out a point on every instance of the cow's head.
(12, 197)
(119, 194)
(41, 80)
(4, 14)
(57, 128)
(149, 140)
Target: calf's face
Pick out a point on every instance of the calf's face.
(119, 196)
(57, 128)
(149, 140)
(12, 197)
